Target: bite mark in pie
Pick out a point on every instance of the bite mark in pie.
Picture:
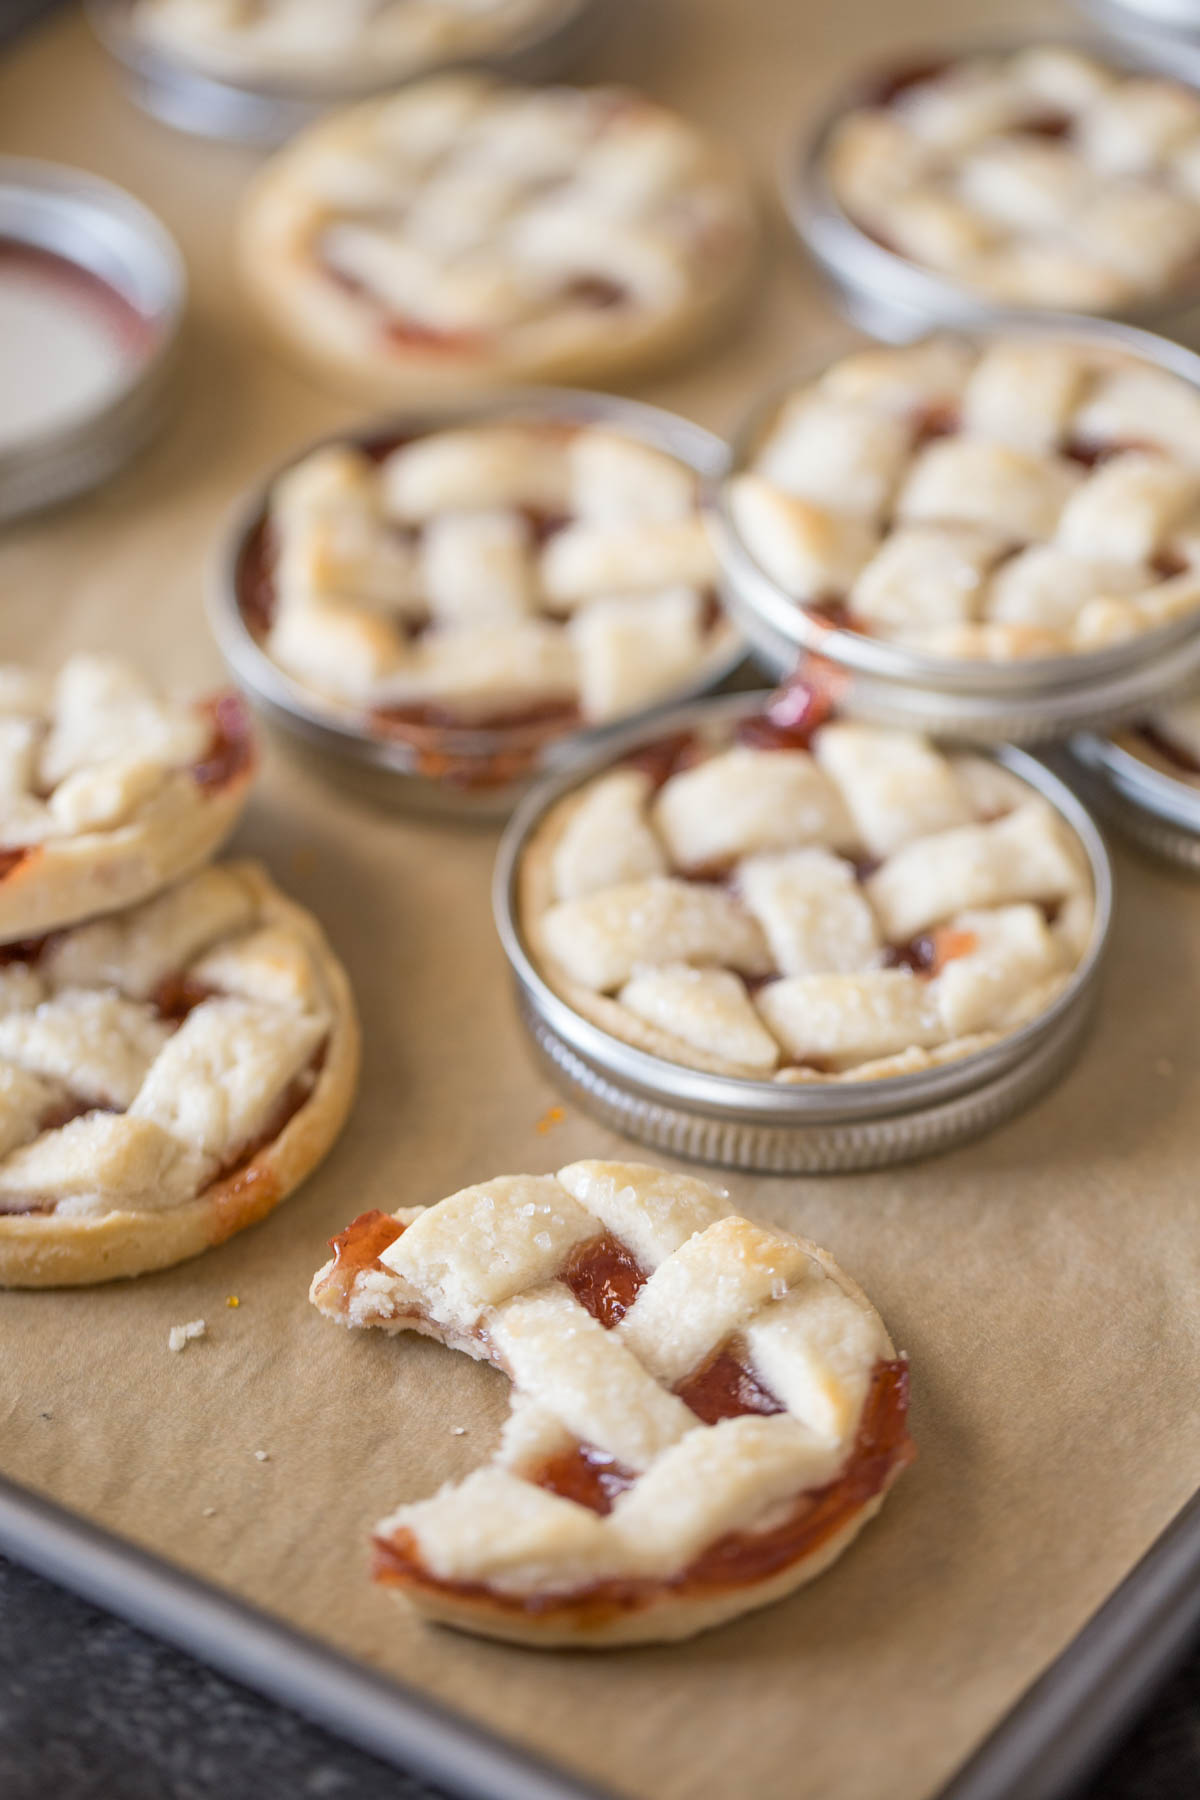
(168, 1074)
(108, 790)
(704, 1413)
(833, 902)
(463, 233)
(1016, 498)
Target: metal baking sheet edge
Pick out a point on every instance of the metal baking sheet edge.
(1049, 1743)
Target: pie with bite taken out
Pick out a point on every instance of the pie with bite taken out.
(464, 232)
(518, 577)
(1019, 497)
(168, 1074)
(804, 898)
(108, 790)
(704, 1411)
(1041, 177)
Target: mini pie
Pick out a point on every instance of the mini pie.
(1041, 177)
(1023, 497)
(1169, 740)
(167, 1075)
(464, 232)
(835, 905)
(526, 575)
(107, 790)
(332, 42)
(704, 1411)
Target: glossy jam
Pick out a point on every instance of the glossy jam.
(604, 1278)
(586, 1475)
(358, 1248)
(795, 711)
(725, 1388)
(230, 751)
(178, 995)
(882, 1448)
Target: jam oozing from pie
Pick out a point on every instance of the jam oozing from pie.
(358, 1249)
(604, 1277)
(586, 1475)
(882, 1448)
(12, 859)
(598, 292)
(798, 709)
(230, 751)
(725, 1388)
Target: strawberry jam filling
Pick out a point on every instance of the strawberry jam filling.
(229, 754)
(882, 1448)
(604, 1277)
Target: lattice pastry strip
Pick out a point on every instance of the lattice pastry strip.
(464, 232)
(862, 907)
(108, 789)
(1039, 177)
(500, 574)
(703, 1410)
(167, 1075)
(307, 39)
(1018, 498)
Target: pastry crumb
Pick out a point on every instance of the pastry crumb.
(459, 1431)
(233, 1300)
(210, 1512)
(180, 1336)
(262, 1456)
(550, 1119)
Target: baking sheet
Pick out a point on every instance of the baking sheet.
(1044, 1281)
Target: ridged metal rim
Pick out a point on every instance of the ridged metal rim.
(1021, 701)
(852, 1118)
(810, 1149)
(267, 112)
(390, 768)
(114, 238)
(1157, 813)
(891, 295)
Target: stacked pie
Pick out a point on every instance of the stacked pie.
(1017, 497)
(1040, 177)
(464, 232)
(832, 903)
(177, 1041)
(520, 576)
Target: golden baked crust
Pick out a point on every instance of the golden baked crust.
(705, 1412)
(984, 792)
(325, 326)
(49, 1250)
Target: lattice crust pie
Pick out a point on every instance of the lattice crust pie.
(325, 42)
(704, 1411)
(858, 907)
(1023, 498)
(108, 790)
(1040, 178)
(1169, 740)
(517, 574)
(465, 231)
(167, 1075)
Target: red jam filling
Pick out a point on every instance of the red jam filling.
(604, 1277)
(586, 1475)
(724, 1388)
(795, 711)
(12, 859)
(882, 1448)
(358, 1248)
(230, 751)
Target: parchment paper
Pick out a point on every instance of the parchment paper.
(1045, 1281)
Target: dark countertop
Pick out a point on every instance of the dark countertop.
(93, 1710)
